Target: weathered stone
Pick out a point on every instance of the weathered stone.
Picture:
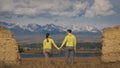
(8, 47)
(111, 44)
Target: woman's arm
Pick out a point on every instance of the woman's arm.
(54, 44)
(43, 44)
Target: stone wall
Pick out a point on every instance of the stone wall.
(8, 47)
(111, 44)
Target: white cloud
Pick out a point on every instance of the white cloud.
(100, 8)
(65, 8)
(70, 10)
(6, 6)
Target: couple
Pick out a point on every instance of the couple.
(70, 41)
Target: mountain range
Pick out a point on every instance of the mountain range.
(36, 29)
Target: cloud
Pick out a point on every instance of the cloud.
(47, 8)
(100, 8)
(69, 9)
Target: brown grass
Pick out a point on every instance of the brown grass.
(60, 63)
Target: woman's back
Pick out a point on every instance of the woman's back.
(47, 43)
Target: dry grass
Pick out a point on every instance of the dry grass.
(60, 63)
(111, 44)
(8, 46)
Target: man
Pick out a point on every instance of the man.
(70, 41)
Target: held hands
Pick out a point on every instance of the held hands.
(59, 49)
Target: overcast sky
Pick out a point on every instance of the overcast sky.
(98, 13)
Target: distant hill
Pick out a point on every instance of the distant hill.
(31, 29)
(35, 33)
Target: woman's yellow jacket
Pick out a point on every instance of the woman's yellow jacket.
(48, 45)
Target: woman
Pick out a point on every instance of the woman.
(47, 47)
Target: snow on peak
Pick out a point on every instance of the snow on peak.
(77, 28)
(52, 27)
(74, 28)
(91, 28)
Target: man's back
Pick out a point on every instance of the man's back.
(70, 40)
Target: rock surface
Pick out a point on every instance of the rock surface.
(8, 47)
(111, 44)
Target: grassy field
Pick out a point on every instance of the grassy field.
(60, 63)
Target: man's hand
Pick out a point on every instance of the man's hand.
(59, 49)
(74, 50)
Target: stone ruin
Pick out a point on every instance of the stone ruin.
(111, 44)
(8, 47)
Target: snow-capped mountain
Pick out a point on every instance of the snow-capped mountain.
(88, 28)
(52, 27)
(19, 29)
(32, 27)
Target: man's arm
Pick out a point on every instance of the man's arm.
(75, 43)
(63, 42)
(43, 44)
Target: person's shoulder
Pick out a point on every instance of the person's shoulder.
(66, 36)
(73, 35)
(44, 40)
(50, 39)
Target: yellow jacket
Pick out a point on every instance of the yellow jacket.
(70, 40)
(48, 45)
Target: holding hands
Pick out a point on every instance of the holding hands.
(59, 48)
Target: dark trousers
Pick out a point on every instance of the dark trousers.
(69, 53)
